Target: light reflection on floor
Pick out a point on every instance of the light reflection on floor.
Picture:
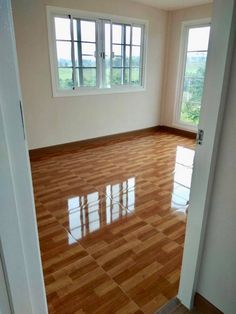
(182, 178)
(91, 212)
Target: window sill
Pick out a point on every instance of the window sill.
(100, 91)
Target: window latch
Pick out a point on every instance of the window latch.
(102, 55)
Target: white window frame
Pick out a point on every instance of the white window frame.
(80, 91)
(181, 72)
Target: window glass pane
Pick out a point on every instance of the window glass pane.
(198, 38)
(135, 76)
(116, 33)
(107, 78)
(136, 35)
(126, 76)
(127, 55)
(127, 37)
(107, 64)
(135, 56)
(75, 31)
(88, 61)
(64, 54)
(190, 113)
(108, 39)
(191, 101)
(196, 64)
(193, 88)
(116, 76)
(76, 55)
(89, 77)
(117, 50)
(62, 28)
(117, 59)
(65, 78)
(117, 62)
(88, 49)
(88, 31)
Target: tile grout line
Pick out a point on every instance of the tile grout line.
(127, 210)
(100, 266)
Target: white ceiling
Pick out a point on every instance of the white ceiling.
(173, 4)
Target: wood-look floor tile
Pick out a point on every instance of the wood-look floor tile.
(111, 221)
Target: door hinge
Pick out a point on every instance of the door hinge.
(200, 136)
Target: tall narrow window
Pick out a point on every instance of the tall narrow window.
(95, 53)
(194, 74)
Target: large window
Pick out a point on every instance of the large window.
(95, 54)
(194, 65)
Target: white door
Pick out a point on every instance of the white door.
(18, 229)
(214, 96)
(4, 300)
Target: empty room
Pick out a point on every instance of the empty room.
(111, 105)
(111, 205)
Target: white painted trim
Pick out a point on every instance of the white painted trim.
(18, 228)
(97, 91)
(51, 11)
(181, 68)
(221, 44)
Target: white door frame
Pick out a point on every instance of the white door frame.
(221, 44)
(19, 245)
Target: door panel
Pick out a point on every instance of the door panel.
(4, 300)
(220, 53)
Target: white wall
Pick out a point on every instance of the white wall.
(217, 281)
(175, 19)
(53, 121)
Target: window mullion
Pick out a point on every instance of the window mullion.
(80, 61)
(130, 53)
(112, 54)
(123, 52)
(141, 56)
(100, 48)
(72, 52)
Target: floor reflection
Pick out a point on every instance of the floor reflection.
(182, 178)
(91, 212)
(123, 193)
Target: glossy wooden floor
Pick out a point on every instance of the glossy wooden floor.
(111, 221)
